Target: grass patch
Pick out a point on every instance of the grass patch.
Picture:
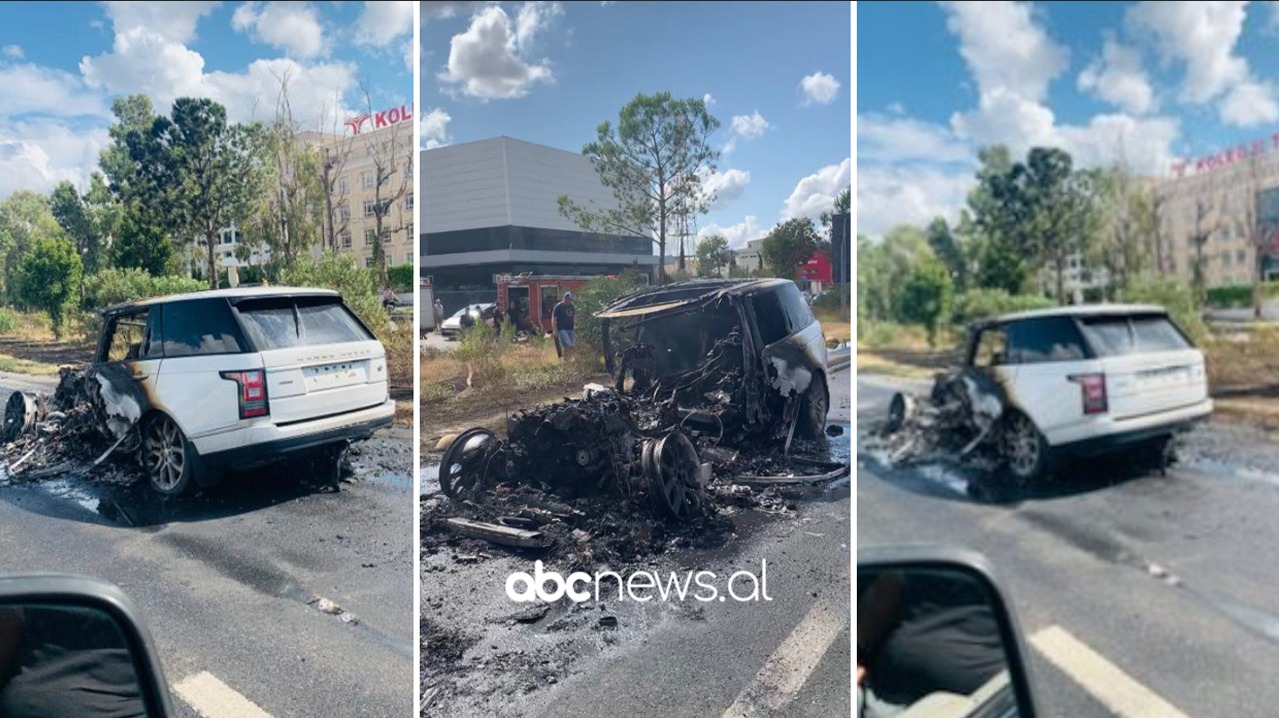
(16, 365)
(870, 363)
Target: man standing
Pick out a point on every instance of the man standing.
(562, 324)
(439, 314)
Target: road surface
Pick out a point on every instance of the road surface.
(223, 579)
(1168, 582)
(787, 657)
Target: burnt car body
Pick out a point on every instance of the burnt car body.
(746, 356)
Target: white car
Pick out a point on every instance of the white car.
(452, 327)
(243, 377)
(1088, 379)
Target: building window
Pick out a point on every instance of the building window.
(368, 179)
(408, 203)
(344, 185)
(346, 239)
(344, 213)
(369, 206)
(386, 236)
(368, 237)
(368, 262)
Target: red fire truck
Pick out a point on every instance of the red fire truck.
(529, 298)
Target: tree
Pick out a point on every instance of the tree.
(713, 255)
(947, 249)
(1126, 241)
(998, 262)
(49, 277)
(133, 113)
(842, 205)
(395, 155)
(142, 245)
(197, 174)
(653, 161)
(90, 220)
(884, 266)
(926, 298)
(789, 245)
(25, 218)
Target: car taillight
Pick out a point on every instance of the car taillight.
(253, 399)
(1092, 387)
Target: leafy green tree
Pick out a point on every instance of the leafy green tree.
(1128, 229)
(990, 226)
(652, 160)
(842, 205)
(789, 245)
(197, 174)
(884, 265)
(49, 277)
(713, 255)
(90, 220)
(25, 218)
(133, 113)
(926, 298)
(141, 245)
(946, 247)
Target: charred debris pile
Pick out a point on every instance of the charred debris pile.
(660, 460)
(87, 422)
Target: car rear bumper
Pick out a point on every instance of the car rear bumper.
(1119, 433)
(266, 442)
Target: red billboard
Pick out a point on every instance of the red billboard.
(817, 268)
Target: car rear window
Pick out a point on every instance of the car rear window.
(1047, 339)
(199, 327)
(1133, 334)
(285, 322)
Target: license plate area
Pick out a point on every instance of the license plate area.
(332, 376)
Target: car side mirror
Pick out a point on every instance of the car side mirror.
(73, 646)
(936, 638)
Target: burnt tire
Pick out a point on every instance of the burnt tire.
(168, 458)
(813, 410)
(1023, 449)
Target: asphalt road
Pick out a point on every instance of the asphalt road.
(223, 579)
(786, 657)
(1170, 580)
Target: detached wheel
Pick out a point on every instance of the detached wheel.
(167, 456)
(464, 464)
(1024, 449)
(812, 414)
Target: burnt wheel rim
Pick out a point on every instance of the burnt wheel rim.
(459, 472)
(1023, 446)
(818, 407)
(165, 454)
(671, 464)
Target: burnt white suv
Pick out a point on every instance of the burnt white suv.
(1087, 379)
(243, 377)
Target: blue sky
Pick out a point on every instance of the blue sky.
(1146, 84)
(551, 72)
(62, 65)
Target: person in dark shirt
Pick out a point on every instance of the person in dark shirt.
(562, 324)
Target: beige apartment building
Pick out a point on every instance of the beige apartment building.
(1206, 215)
(355, 157)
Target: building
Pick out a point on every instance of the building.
(748, 259)
(355, 156)
(1216, 212)
(492, 208)
(1079, 281)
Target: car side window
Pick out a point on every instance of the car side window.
(770, 317)
(200, 327)
(129, 337)
(1047, 339)
(992, 347)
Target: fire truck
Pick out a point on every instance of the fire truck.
(529, 298)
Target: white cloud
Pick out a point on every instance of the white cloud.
(31, 89)
(1250, 103)
(14, 52)
(446, 8)
(173, 21)
(816, 193)
(146, 62)
(750, 126)
(889, 196)
(901, 139)
(435, 129)
(488, 61)
(292, 27)
(708, 99)
(382, 22)
(727, 186)
(315, 91)
(819, 88)
(736, 234)
(1005, 48)
(532, 18)
(36, 157)
(1142, 144)
(1117, 77)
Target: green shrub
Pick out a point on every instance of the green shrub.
(49, 276)
(985, 303)
(881, 334)
(1177, 298)
(402, 277)
(927, 298)
(8, 320)
(113, 286)
(592, 297)
(340, 272)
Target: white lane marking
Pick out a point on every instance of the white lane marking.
(1114, 689)
(785, 672)
(212, 698)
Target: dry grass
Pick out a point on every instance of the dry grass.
(875, 364)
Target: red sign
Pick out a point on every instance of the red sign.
(1225, 158)
(378, 120)
(817, 268)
